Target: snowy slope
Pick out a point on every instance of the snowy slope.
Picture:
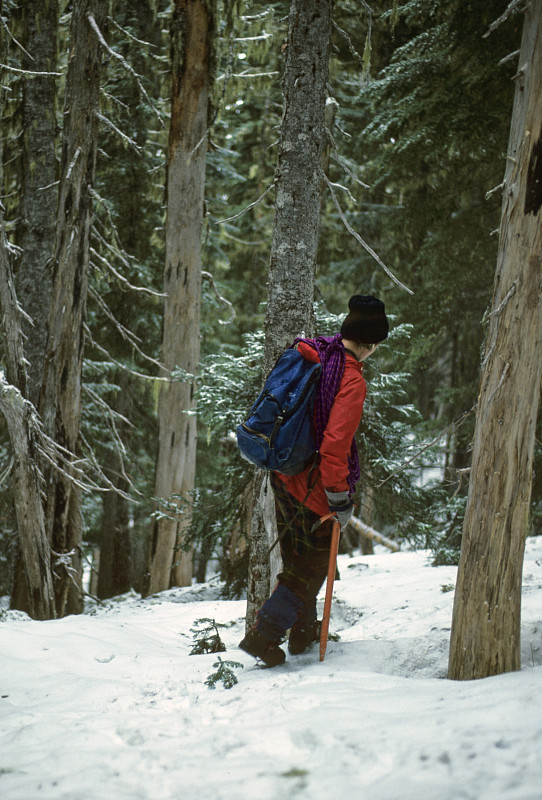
(111, 706)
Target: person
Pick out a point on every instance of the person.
(305, 502)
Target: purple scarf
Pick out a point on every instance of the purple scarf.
(332, 356)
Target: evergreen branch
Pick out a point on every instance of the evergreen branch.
(252, 205)
(358, 238)
(220, 298)
(125, 64)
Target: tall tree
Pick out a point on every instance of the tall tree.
(294, 244)
(60, 398)
(24, 432)
(485, 638)
(192, 32)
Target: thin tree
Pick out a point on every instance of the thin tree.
(192, 32)
(60, 399)
(24, 432)
(294, 244)
(485, 638)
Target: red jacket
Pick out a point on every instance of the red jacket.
(345, 416)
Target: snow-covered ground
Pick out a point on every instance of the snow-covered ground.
(111, 706)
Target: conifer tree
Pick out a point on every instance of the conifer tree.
(485, 637)
(294, 245)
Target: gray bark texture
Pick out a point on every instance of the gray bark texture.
(294, 244)
(485, 638)
(36, 228)
(60, 398)
(192, 32)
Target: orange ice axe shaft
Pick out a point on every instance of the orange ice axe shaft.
(335, 535)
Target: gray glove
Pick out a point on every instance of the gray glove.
(340, 505)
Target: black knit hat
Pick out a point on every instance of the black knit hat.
(367, 322)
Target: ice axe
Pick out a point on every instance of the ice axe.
(332, 566)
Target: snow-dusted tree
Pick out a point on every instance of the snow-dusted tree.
(294, 244)
(485, 638)
(192, 31)
(60, 399)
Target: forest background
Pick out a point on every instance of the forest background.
(419, 116)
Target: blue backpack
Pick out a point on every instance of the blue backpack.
(278, 433)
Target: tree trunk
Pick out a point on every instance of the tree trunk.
(295, 233)
(115, 571)
(36, 228)
(60, 399)
(22, 424)
(192, 32)
(485, 638)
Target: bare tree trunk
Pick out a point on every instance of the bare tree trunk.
(295, 233)
(38, 205)
(22, 426)
(485, 638)
(115, 571)
(36, 228)
(192, 31)
(60, 399)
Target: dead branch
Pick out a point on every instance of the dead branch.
(120, 134)
(252, 205)
(125, 64)
(110, 358)
(516, 6)
(220, 299)
(370, 533)
(358, 238)
(416, 455)
(126, 334)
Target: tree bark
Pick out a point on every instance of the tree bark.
(60, 398)
(485, 638)
(294, 244)
(36, 228)
(22, 425)
(192, 32)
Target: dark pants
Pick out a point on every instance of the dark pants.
(305, 557)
